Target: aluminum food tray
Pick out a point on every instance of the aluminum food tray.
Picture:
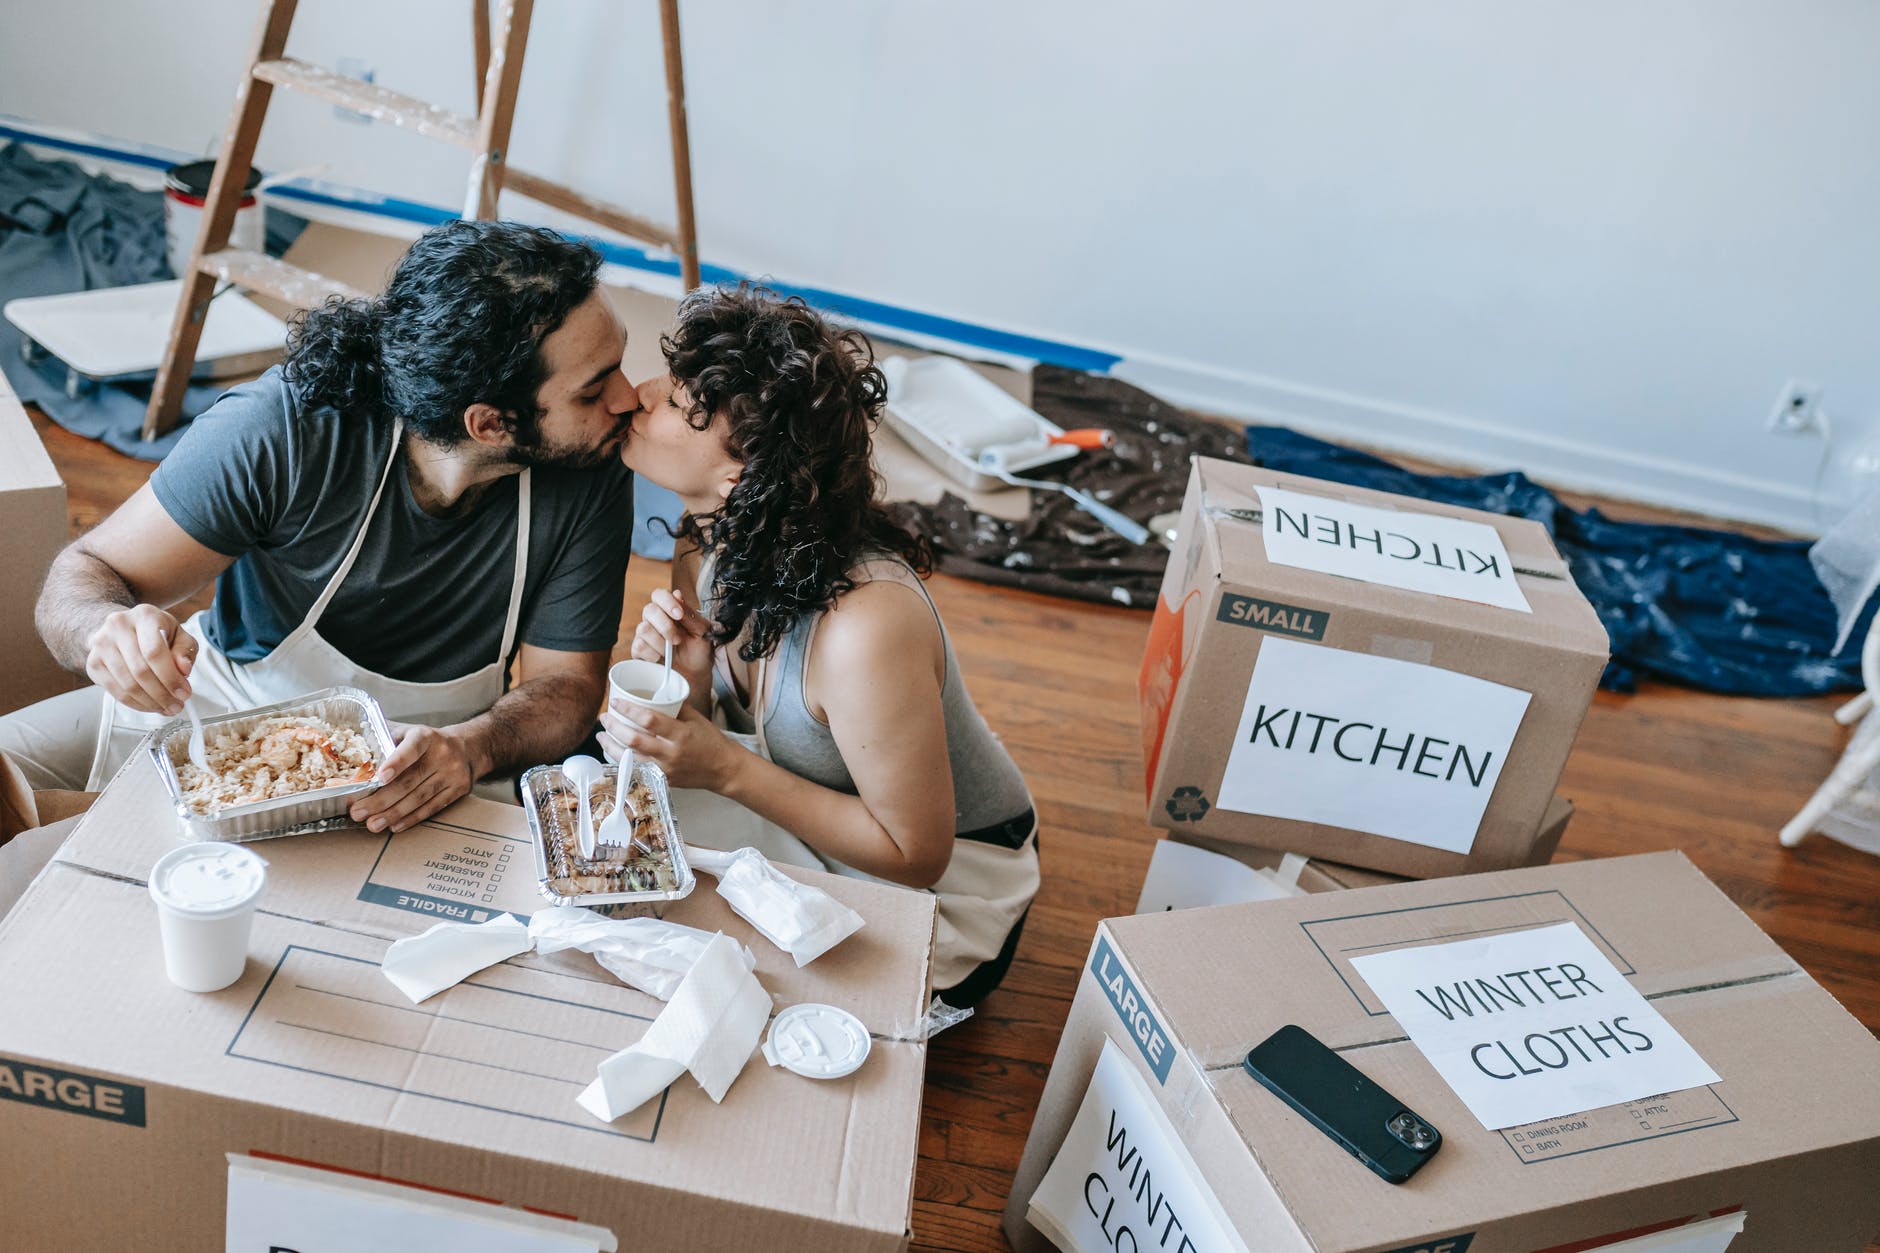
(539, 783)
(300, 814)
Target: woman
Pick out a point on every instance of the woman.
(798, 615)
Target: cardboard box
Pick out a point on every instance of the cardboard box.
(1371, 723)
(32, 517)
(190, 1108)
(1789, 1136)
(1317, 875)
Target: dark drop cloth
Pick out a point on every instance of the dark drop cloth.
(63, 230)
(1708, 608)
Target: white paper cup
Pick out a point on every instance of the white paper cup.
(637, 683)
(206, 895)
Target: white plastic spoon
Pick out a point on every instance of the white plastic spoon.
(583, 772)
(198, 751)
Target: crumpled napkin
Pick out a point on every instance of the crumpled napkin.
(421, 966)
(710, 1027)
(803, 921)
(646, 953)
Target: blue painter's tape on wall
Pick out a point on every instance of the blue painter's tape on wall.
(888, 317)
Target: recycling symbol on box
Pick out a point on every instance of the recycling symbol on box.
(1187, 804)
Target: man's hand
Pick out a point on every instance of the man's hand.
(431, 768)
(142, 657)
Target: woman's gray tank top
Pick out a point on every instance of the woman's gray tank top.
(990, 801)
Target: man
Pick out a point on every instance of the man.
(426, 490)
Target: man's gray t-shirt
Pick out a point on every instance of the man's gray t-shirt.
(284, 489)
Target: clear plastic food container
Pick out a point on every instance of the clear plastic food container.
(619, 880)
(302, 813)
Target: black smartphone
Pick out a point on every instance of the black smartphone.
(1366, 1121)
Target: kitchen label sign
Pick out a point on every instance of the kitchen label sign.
(1532, 1025)
(1401, 750)
(1419, 552)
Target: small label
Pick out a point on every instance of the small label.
(1271, 615)
(74, 1093)
(1130, 1006)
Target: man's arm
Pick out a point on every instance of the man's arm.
(542, 718)
(104, 607)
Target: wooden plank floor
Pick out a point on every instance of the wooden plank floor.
(1666, 768)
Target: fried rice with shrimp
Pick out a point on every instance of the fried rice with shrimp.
(281, 756)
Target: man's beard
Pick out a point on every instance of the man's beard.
(537, 452)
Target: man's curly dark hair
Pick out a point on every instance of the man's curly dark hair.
(801, 400)
(461, 322)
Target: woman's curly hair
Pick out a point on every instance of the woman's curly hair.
(800, 400)
(462, 322)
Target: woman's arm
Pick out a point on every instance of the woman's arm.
(875, 672)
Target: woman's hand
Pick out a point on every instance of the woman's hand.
(667, 616)
(689, 748)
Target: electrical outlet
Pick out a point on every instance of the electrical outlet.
(1797, 409)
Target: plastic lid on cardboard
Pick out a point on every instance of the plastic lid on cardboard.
(817, 1041)
(208, 879)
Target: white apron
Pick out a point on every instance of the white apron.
(304, 662)
(983, 893)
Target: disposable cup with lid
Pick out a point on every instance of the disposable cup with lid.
(206, 895)
(817, 1041)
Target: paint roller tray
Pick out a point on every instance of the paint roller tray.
(949, 412)
(120, 332)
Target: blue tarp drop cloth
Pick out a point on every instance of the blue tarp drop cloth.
(63, 230)
(1707, 608)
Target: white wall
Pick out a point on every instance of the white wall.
(1592, 238)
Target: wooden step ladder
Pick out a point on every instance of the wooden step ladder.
(213, 265)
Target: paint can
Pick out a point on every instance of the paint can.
(185, 189)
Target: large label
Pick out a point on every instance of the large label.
(1123, 1182)
(67, 1090)
(1369, 743)
(1129, 1005)
(288, 1207)
(1419, 552)
(1532, 1025)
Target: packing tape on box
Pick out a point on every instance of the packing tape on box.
(645, 953)
(802, 920)
(710, 1027)
(421, 966)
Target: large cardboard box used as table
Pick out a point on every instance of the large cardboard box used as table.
(32, 518)
(1315, 874)
(1789, 1137)
(137, 1115)
(1378, 681)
